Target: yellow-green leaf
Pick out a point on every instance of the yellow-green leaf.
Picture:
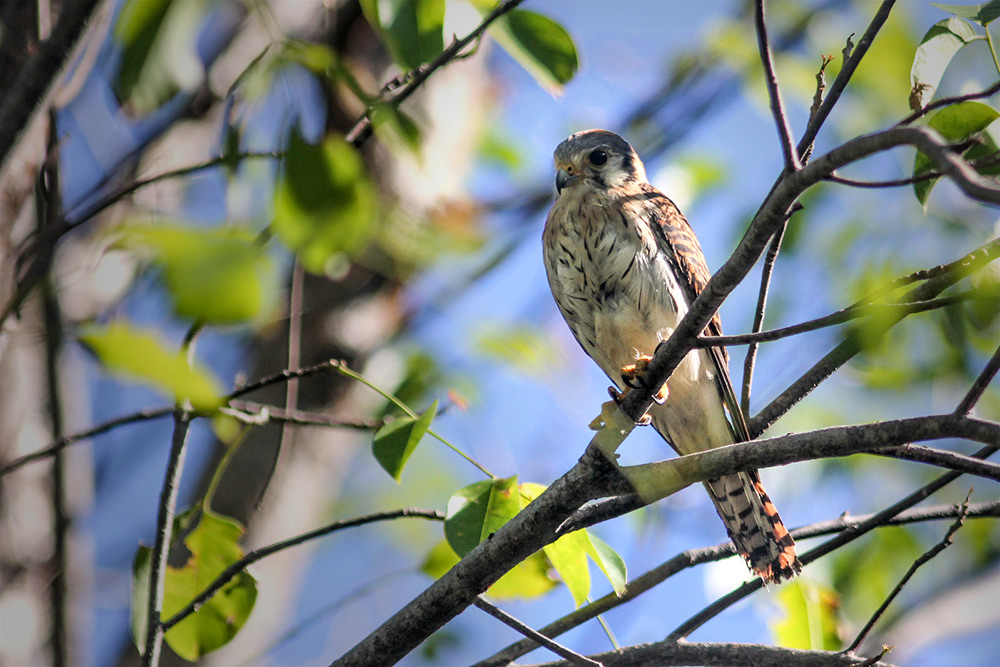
(956, 123)
(810, 617)
(214, 275)
(394, 442)
(982, 13)
(324, 203)
(143, 356)
(527, 579)
(478, 510)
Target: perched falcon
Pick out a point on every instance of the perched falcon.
(624, 266)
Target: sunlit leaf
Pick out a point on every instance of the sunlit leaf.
(440, 559)
(214, 275)
(213, 546)
(810, 617)
(956, 123)
(611, 564)
(394, 442)
(412, 29)
(982, 13)
(157, 38)
(537, 43)
(324, 203)
(478, 510)
(528, 579)
(143, 356)
(932, 57)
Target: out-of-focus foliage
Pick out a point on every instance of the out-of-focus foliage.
(810, 620)
(143, 356)
(213, 545)
(324, 203)
(214, 275)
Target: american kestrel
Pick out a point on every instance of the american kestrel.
(624, 265)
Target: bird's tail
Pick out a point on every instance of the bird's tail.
(754, 525)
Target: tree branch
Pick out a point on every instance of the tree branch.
(979, 386)
(38, 73)
(945, 542)
(943, 459)
(252, 557)
(695, 557)
(571, 656)
(774, 92)
(948, 101)
(690, 653)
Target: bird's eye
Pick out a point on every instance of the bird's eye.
(597, 157)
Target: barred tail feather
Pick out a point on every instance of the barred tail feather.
(754, 525)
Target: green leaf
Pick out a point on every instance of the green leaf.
(395, 129)
(394, 442)
(524, 347)
(214, 547)
(215, 275)
(610, 562)
(983, 13)
(440, 559)
(810, 620)
(411, 29)
(528, 579)
(478, 510)
(143, 356)
(140, 596)
(955, 123)
(932, 57)
(158, 51)
(537, 43)
(324, 203)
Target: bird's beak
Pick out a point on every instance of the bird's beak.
(563, 178)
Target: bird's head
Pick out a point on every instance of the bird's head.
(598, 160)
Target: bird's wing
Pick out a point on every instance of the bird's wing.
(678, 240)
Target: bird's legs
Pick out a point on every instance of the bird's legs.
(634, 377)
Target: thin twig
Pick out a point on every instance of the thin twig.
(844, 76)
(948, 101)
(979, 386)
(284, 376)
(758, 318)
(252, 557)
(534, 635)
(820, 85)
(362, 128)
(942, 459)
(841, 316)
(899, 182)
(774, 92)
(695, 557)
(945, 542)
(66, 440)
(254, 413)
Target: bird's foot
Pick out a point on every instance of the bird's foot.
(634, 376)
(619, 396)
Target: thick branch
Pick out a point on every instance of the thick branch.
(685, 653)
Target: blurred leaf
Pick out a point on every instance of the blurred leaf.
(440, 559)
(955, 123)
(324, 203)
(317, 58)
(140, 596)
(540, 45)
(810, 620)
(864, 575)
(394, 442)
(411, 29)
(522, 346)
(143, 356)
(478, 510)
(213, 546)
(932, 57)
(496, 148)
(158, 51)
(215, 275)
(982, 13)
(420, 374)
(395, 129)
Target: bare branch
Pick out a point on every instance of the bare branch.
(572, 656)
(924, 558)
(286, 375)
(774, 92)
(252, 557)
(695, 557)
(979, 386)
(262, 413)
(943, 459)
(690, 653)
(845, 315)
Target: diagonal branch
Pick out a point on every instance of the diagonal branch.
(774, 92)
(695, 653)
(979, 386)
(572, 656)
